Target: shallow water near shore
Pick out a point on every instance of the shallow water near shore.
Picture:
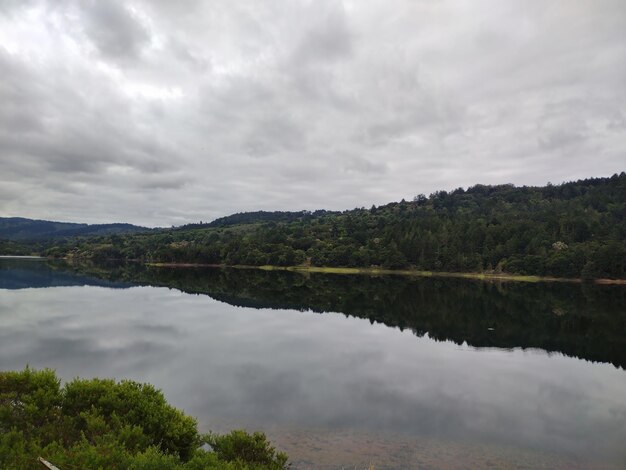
(344, 371)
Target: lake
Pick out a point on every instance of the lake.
(344, 371)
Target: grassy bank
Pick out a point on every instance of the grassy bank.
(397, 272)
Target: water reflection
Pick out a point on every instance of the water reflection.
(282, 368)
(32, 272)
(585, 321)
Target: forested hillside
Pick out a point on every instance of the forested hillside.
(569, 230)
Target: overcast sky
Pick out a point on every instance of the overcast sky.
(166, 112)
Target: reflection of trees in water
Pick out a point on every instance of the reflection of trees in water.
(585, 321)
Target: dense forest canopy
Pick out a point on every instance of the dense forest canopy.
(575, 229)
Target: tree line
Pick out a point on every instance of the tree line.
(575, 229)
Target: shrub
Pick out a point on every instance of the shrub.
(96, 424)
(255, 450)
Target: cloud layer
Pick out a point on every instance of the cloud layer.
(159, 113)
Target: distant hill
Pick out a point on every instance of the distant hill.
(247, 218)
(21, 229)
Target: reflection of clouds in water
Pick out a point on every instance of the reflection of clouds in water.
(265, 368)
(81, 331)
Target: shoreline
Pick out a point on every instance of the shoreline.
(397, 272)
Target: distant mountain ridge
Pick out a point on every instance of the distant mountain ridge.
(22, 229)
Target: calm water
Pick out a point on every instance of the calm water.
(343, 371)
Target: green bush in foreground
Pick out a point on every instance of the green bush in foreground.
(103, 424)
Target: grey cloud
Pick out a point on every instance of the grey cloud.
(21, 98)
(560, 138)
(617, 122)
(272, 134)
(193, 110)
(114, 30)
(562, 127)
(187, 54)
(361, 165)
(9, 7)
(163, 182)
(326, 37)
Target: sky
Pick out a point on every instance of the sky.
(166, 112)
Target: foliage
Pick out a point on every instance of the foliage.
(255, 450)
(551, 231)
(10, 247)
(114, 425)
